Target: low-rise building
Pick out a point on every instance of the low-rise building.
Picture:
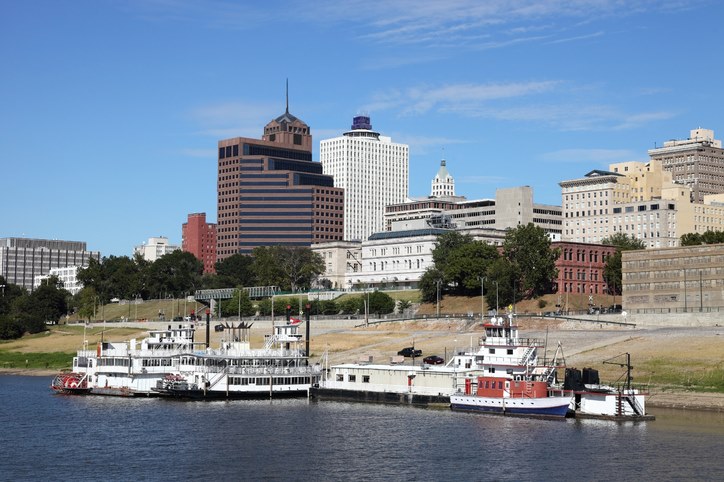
(675, 279)
(155, 248)
(581, 267)
(67, 275)
(22, 259)
(342, 261)
(511, 207)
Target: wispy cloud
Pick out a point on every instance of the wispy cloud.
(552, 102)
(453, 97)
(589, 156)
(637, 120)
(452, 23)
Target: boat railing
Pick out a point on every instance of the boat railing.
(237, 370)
(502, 341)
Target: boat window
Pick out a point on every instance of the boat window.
(510, 351)
(491, 350)
(353, 378)
(340, 377)
(365, 378)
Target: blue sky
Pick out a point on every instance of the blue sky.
(111, 110)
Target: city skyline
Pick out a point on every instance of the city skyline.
(112, 112)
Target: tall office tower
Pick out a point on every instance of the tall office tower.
(270, 192)
(697, 162)
(443, 185)
(372, 170)
(199, 238)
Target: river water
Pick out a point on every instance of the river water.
(52, 437)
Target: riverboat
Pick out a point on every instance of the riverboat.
(170, 363)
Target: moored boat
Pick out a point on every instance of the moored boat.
(511, 397)
(170, 363)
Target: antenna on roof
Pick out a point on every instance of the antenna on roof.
(287, 95)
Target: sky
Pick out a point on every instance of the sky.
(112, 109)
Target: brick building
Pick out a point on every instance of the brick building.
(199, 239)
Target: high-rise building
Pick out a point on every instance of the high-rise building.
(199, 238)
(270, 192)
(639, 200)
(155, 248)
(22, 259)
(697, 162)
(372, 170)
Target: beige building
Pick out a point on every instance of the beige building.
(342, 260)
(697, 162)
(638, 199)
(670, 280)
(511, 207)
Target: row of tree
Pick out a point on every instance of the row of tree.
(23, 312)
(180, 273)
(523, 267)
(376, 303)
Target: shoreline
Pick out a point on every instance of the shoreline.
(677, 400)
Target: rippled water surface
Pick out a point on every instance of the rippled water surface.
(51, 437)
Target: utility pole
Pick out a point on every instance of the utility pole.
(482, 298)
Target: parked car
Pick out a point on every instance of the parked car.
(433, 360)
(409, 351)
(219, 328)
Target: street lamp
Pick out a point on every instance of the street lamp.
(367, 306)
(496, 297)
(482, 298)
(437, 282)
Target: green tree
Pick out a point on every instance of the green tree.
(381, 303)
(403, 305)
(528, 248)
(466, 264)
(173, 274)
(86, 301)
(351, 305)
(8, 293)
(501, 276)
(690, 239)
(289, 267)
(240, 301)
(236, 270)
(49, 301)
(612, 269)
(708, 237)
(428, 284)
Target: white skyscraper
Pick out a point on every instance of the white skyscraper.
(373, 171)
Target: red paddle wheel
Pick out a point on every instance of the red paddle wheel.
(70, 384)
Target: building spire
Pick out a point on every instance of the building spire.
(287, 95)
